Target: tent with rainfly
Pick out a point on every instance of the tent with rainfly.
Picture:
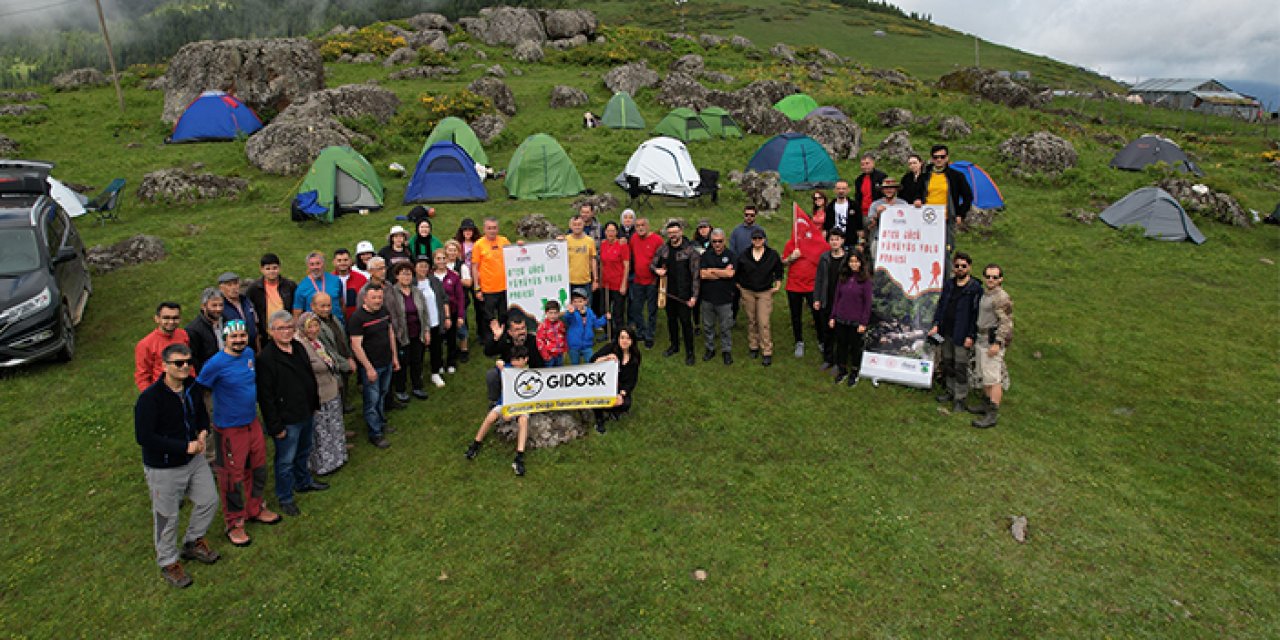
(986, 195)
(799, 159)
(540, 169)
(214, 117)
(1150, 149)
(684, 125)
(622, 113)
(664, 163)
(719, 123)
(1157, 212)
(340, 180)
(445, 173)
(457, 131)
(796, 106)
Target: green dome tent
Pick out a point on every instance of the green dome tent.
(540, 169)
(682, 124)
(796, 106)
(719, 123)
(622, 113)
(339, 180)
(457, 131)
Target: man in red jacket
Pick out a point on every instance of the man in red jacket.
(148, 365)
(643, 293)
(801, 255)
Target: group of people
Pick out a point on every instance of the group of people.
(387, 321)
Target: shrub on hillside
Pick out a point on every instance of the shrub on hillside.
(416, 120)
(371, 39)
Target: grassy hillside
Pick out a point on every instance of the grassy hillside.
(1138, 437)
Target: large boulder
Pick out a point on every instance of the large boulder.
(428, 39)
(400, 57)
(536, 226)
(506, 25)
(841, 138)
(347, 101)
(896, 147)
(19, 96)
(891, 76)
(766, 92)
(527, 51)
(783, 53)
(710, 40)
(568, 23)
(762, 120)
(20, 109)
(716, 77)
(425, 21)
(897, 117)
(601, 203)
(763, 189)
(952, 127)
(681, 90)
(496, 71)
(267, 75)
(1040, 152)
(8, 146)
(564, 96)
(128, 252)
(739, 42)
(690, 64)
(1201, 200)
(564, 44)
(550, 429)
(488, 127)
(416, 73)
(289, 147)
(78, 79)
(497, 92)
(989, 85)
(630, 77)
(178, 185)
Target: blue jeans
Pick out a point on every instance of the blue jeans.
(292, 453)
(644, 302)
(580, 355)
(556, 361)
(375, 394)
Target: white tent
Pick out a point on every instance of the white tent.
(665, 164)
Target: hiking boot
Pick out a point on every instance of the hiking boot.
(176, 576)
(200, 550)
(852, 379)
(600, 426)
(945, 397)
(238, 536)
(473, 450)
(518, 466)
(958, 407)
(290, 509)
(464, 356)
(671, 351)
(754, 353)
(989, 420)
(708, 354)
(840, 374)
(728, 358)
(800, 349)
(267, 517)
(379, 442)
(979, 410)
(689, 359)
(766, 360)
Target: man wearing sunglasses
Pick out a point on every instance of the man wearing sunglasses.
(956, 321)
(148, 366)
(995, 331)
(944, 185)
(171, 426)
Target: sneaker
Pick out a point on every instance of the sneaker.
(754, 353)
(852, 380)
(800, 349)
(600, 427)
(671, 351)
(728, 358)
(518, 466)
(451, 370)
(290, 509)
(472, 450)
(267, 517)
(840, 377)
(315, 485)
(176, 576)
(766, 360)
(238, 536)
(709, 354)
(402, 398)
(200, 550)
(379, 442)
(689, 359)
(422, 395)
(437, 380)
(463, 356)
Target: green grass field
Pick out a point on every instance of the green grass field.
(1138, 438)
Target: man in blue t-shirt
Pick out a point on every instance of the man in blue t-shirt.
(315, 282)
(230, 379)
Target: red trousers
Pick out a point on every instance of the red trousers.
(241, 462)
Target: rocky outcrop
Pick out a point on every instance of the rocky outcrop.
(953, 127)
(347, 101)
(690, 64)
(630, 77)
(20, 109)
(896, 147)
(783, 53)
(8, 146)
(488, 127)
(497, 92)
(601, 203)
(710, 40)
(564, 24)
(564, 44)
(506, 25)
(1203, 201)
(139, 249)
(841, 138)
(764, 189)
(425, 21)
(536, 226)
(415, 73)
(267, 75)
(897, 117)
(19, 96)
(989, 85)
(428, 39)
(288, 147)
(762, 120)
(527, 51)
(891, 76)
(681, 90)
(550, 429)
(563, 96)
(178, 186)
(79, 79)
(716, 77)
(1040, 152)
(496, 71)
(400, 57)
(739, 42)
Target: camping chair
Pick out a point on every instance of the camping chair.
(709, 185)
(638, 193)
(106, 205)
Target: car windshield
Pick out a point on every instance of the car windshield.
(19, 252)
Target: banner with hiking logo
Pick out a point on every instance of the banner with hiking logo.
(537, 273)
(586, 386)
(909, 271)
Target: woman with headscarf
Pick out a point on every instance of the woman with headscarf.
(423, 244)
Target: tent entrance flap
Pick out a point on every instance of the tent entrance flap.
(351, 195)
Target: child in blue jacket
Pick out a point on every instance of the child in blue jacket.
(581, 324)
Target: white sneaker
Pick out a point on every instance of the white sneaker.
(452, 370)
(437, 380)
(799, 349)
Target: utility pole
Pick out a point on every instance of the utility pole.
(975, 51)
(111, 57)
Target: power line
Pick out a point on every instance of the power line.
(35, 9)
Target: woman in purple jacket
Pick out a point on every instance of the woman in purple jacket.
(850, 313)
(451, 282)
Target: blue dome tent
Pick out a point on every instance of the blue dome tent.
(986, 195)
(799, 159)
(445, 173)
(215, 116)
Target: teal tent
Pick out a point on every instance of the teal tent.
(799, 159)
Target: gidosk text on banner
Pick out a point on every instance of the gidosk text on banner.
(587, 386)
(537, 273)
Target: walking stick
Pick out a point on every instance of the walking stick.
(608, 310)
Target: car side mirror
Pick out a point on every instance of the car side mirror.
(65, 254)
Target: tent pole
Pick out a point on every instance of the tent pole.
(115, 76)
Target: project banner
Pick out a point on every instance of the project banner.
(586, 386)
(537, 273)
(909, 261)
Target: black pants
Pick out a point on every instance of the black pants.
(410, 366)
(616, 304)
(848, 347)
(450, 345)
(825, 334)
(494, 307)
(614, 412)
(798, 302)
(679, 319)
(436, 349)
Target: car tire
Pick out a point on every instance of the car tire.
(68, 350)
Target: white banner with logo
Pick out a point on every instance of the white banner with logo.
(586, 386)
(910, 267)
(537, 273)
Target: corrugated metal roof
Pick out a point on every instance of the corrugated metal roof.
(1224, 97)
(1174, 85)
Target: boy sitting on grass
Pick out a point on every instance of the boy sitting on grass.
(550, 337)
(519, 360)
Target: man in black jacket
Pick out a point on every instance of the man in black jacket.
(289, 397)
(945, 185)
(269, 294)
(205, 332)
(171, 425)
(956, 320)
(678, 262)
(841, 214)
(515, 335)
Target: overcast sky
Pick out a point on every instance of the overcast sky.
(1129, 40)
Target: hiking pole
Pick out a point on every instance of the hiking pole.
(608, 318)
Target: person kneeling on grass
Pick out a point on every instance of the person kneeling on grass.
(626, 352)
(520, 360)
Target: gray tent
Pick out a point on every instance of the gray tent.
(1150, 149)
(1157, 212)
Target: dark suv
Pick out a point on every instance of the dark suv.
(44, 280)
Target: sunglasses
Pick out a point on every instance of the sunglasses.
(717, 242)
(993, 277)
(180, 363)
(940, 156)
(959, 265)
(756, 238)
